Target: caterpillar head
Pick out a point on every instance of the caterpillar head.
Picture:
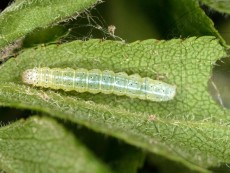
(30, 76)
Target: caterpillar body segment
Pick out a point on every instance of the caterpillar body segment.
(95, 81)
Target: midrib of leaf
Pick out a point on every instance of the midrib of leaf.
(185, 63)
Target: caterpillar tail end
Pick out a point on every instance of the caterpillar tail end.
(169, 92)
(173, 92)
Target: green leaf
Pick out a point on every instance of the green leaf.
(42, 144)
(180, 18)
(191, 129)
(222, 6)
(22, 17)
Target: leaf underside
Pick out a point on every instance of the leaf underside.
(42, 144)
(22, 17)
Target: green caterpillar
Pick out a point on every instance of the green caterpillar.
(95, 81)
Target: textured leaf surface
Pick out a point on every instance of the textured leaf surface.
(221, 5)
(189, 129)
(43, 145)
(22, 17)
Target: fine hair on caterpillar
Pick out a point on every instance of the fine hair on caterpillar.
(96, 81)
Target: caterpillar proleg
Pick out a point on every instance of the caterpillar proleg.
(95, 81)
